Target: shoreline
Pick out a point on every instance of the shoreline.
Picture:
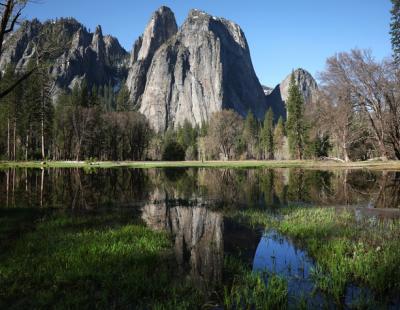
(305, 164)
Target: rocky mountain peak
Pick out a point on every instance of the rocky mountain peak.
(98, 44)
(79, 53)
(98, 31)
(278, 97)
(306, 83)
(161, 27)
(201, 21)
(80, 39)
(205, 67)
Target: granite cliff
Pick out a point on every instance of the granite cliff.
(203, 68)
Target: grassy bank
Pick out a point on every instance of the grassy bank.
(346, 251)
(307, 164)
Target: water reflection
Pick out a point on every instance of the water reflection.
(277, 254)
(189, 205)
(77, 188)
(198, 239)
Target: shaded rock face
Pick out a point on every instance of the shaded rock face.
(198, 238)
(205, 67)
(278, 97)
(77, 53)
(161, 27)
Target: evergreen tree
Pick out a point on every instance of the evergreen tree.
(83, 99)
(250, 134)
(279, 135)
(395, 30)
(296, 129)
(94, 99)
(267, 135)
(30, 119)
(75, 95)
(123, 100)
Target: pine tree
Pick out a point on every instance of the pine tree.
(250, 134)
(30, 124)
(296, 130)
(279, 135)
(94, 99)
(395, 30)
(123, 100)
(75, 95)
(83, 99)
(267, 135)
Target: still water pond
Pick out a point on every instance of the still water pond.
(190, 205)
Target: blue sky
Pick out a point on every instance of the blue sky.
(282, 34)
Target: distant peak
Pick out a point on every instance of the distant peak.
(98, 30)
(163, 9)
(197, 12)
(301, 71)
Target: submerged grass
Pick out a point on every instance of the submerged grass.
(346, 250)
(101, 261)
(249, 290)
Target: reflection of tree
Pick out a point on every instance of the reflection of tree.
(198, 238)
(389, 190)
(297, 191)
(66, 188)
(73, 188)
(225, 185)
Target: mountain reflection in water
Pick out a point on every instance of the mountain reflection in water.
(198, 239)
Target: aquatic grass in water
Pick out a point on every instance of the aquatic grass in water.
(249, 290)
(345, 250)
(102, 260)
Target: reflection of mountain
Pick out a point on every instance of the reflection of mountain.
(198, 238)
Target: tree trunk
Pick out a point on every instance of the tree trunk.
(42, 120)
(15, 138)
(383, 150)
(8, 138)
(346, 154)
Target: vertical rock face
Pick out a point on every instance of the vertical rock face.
(161, 27)
(205, 67)
(278, 97)
(306, 83)
(76, 53)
